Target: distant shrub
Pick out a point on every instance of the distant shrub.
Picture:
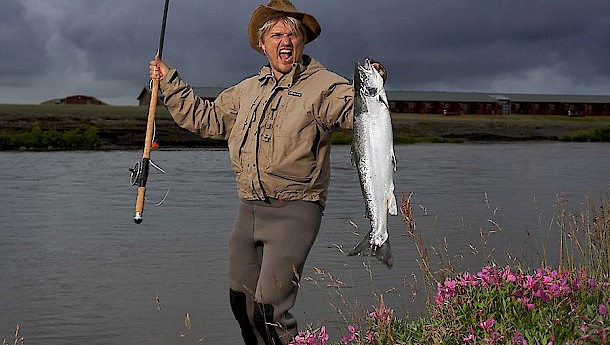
(594, 135)
(37, 139)
(341, 138)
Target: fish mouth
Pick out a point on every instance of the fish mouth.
(366, 67)
(368, 77)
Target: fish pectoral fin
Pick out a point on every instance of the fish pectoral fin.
(392, 207)
(384, 100)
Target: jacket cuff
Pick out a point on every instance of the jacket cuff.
(171, 79)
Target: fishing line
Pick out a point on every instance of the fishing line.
(136, 173)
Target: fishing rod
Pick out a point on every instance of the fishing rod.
(140, 170)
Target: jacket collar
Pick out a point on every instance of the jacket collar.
(299, 71)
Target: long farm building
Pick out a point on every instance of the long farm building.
(458, 103)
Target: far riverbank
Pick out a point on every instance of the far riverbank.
(123, 127)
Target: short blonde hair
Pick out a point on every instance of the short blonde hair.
(294, 24)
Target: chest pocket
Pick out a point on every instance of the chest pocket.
(293, 139)
(239, 132)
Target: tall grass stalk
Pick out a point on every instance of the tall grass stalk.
(423, 258)
(585, 237)
(17, 339)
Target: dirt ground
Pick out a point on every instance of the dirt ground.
(123, 127)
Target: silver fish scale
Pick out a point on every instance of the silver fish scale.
(373, 155)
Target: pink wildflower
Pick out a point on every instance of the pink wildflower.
(518, 339)
(542, 295)
(370, 336)
(529, 283)
(446, 290)
(382, 313)
(487, 325)
(322, 335)
(592, 284)
(508, 276)
(486, 276)
(317, 337)
(603, 311)
(525, 302)
(353, 335)
(469, 280)
(471, 336)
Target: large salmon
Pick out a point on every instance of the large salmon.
(373, 154)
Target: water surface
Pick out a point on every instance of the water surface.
(75, 269)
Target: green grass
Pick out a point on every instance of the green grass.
(37, 139)
(85, 111)
(594, 135)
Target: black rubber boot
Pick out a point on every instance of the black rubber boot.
(263, 321)
(240, 311)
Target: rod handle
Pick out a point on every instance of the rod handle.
(139, 205)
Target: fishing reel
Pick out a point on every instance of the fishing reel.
(137, 174)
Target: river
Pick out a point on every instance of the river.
(75, 269)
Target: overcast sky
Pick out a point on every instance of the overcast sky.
(56, 48)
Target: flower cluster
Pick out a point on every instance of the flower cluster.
(541, 286)
(497, 305)
(544, 292)
(311, 337)
(379, 327)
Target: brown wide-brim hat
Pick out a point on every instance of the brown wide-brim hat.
(277, 8)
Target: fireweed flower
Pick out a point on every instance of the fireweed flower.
(603, 311)
(471, 337)
(592, 284)
(370, 336)
(353, 335)
(469, 280)
(487, 324)
(316, 337)
(508, 276)
(446, 290)
(518, 339)
(529, 282)
(382, 313)
(544, 285)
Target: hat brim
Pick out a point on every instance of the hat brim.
(264, 13)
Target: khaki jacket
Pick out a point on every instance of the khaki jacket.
(278, 132)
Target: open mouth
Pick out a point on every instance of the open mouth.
(285, 55)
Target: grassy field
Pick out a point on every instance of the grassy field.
(123, 127)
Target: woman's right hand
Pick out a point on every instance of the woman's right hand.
(157, 68)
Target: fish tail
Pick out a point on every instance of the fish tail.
(383, 252)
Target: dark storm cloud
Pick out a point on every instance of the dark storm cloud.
(22, 53)
(472, 44)
(53, 48)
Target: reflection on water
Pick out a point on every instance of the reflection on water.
(75, 269)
